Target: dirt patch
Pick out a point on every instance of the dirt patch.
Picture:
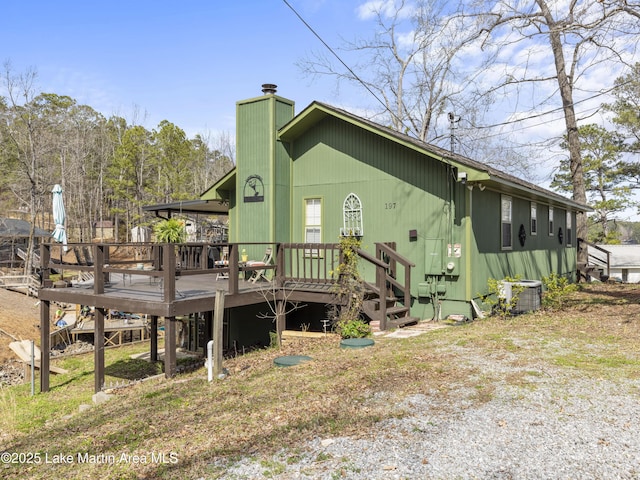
(19, 317)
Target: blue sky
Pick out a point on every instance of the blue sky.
(187, 62)
(190, 61)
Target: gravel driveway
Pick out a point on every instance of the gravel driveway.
(557, 426)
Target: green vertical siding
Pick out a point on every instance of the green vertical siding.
(458, 243)
(541, 254)
(260, 154)
(400, 191)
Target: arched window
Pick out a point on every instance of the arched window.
(352, 217)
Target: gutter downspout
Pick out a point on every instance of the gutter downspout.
(467, 246)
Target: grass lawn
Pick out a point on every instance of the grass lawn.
(179, 428)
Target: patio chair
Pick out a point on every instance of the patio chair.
(223, 262)
(260, 274)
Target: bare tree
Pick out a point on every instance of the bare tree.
(408, 64)
(25, 145)
(213, 159)
(581, 34)
(280, 305)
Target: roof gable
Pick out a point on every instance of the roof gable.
(220, 190)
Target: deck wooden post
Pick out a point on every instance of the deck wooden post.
(382, 288)
(279, 266)
(98, 264)
(234, 269)
(98, 349)
(169, 268)
(218, 328)
(154, 338)
(105, 253)
(156, 253)
(45, 322)
(170, 347)
(45, 270)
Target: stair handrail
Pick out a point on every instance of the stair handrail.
(381, 283)
(371, 259)
(407, 265)
(598, 261)
(384, 278)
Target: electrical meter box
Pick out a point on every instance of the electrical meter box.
(434, 256)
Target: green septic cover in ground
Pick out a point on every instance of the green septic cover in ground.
(356, 343)
(289, 360)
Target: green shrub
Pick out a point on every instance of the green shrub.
(496, 297)
(557, 290)
(349, 291)
(354, 328)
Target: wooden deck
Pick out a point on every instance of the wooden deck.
(170, 281)
(145, 294)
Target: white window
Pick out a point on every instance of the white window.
(313, 220)
(534, 218)
(551, 221)
(352, 217)
(569, 229)
(506, 227)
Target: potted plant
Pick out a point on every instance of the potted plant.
(170, 230)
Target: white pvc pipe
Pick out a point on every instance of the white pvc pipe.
(210, 360)
(33, 368)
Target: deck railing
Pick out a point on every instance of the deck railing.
(307, 263)
(310, 264)
(164, 262)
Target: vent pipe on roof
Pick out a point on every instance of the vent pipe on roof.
(269, 88)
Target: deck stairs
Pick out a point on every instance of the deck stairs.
(35, 257)
(28, 284)
(387, 302)
(397, 314)
(598, 264)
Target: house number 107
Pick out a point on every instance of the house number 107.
(390, 206)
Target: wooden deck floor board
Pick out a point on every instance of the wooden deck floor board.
(138, 293)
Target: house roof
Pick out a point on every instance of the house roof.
(477, 173)
(12, 227)
(623, 256)
(213, 201)
(212, 207)
(221, 189)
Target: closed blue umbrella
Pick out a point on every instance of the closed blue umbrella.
(59, 234)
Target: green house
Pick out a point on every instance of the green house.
(326, 173)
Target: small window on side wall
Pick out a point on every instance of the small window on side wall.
(569, 229)
(551, 221)
(505, 223)
(534, 218)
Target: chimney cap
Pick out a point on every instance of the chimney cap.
(269, 88)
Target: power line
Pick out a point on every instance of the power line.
(477, 127)
(558, 109)
(355, 75)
